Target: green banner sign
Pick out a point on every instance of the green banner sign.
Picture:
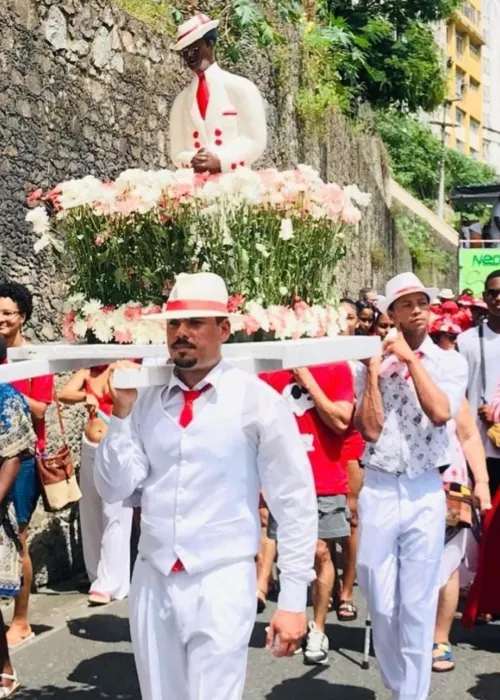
(475, 266)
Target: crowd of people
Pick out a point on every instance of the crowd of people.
(378, 472)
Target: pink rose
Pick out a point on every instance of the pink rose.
(123, 337)
(235, 302)
(250, 325)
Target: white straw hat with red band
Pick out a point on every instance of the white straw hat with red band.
(200, 295)
(193, 29)
(405, 283)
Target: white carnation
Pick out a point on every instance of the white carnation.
(286, 230)
(91, 307)
(39, 219)
(80, 328)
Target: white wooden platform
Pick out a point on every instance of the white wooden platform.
(56, 358)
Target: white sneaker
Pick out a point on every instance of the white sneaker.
(316, 650)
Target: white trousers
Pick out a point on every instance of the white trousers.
(106, 531)
(402, 523)
(190, 634)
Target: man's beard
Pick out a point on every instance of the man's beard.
(185, 363)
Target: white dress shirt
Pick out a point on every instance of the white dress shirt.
(468, 344)
(200, 484)
(409, 442)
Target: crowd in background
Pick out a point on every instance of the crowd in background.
(323, 401)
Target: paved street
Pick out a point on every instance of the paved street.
(81, 654)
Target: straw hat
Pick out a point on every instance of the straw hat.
(193, 29)
(200, 295)
(405, 283)
(446, 294)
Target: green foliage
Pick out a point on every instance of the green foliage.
(416, 156)
(158, 14)
(420, 241)
(321, 86)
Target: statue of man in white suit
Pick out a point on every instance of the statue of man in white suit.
(218, 122)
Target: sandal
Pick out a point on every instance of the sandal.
(96, 598)
(444, 657)
(9, 692)
(347, 611)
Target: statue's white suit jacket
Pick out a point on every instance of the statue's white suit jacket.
(234, 127)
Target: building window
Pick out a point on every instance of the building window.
(460, 44)
(474, 126)
(460, 146)
(459, 116)
(459, 82)
(474, 154)
(449, 32)
(471, 13)
(475, 50)
(474, 85)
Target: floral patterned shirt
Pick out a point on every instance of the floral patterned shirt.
(409, 442)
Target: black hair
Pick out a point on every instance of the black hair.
(346, 300)
(3, 349)
(493, 275)
(361, 305)
(211, 37)
(20, 295)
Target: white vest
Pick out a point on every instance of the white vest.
(200, 499)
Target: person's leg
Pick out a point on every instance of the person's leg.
(322, 587)
(350, 544)
(218, 627)
(25, 495)
(421, 543)
(447, 607)
(159, 653)
(377, 567)
(7, 675)
(90, 507)
(265, 559)
(113, 571)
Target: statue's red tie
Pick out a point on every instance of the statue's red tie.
(202, 94)
(184, 420)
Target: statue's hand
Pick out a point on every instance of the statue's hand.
(204, 161)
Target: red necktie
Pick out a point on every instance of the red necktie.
(184, 420)
(418, 354)
(202, 94)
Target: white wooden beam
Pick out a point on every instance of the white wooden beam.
(35, 360)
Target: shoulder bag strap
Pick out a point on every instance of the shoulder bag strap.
(483, 362)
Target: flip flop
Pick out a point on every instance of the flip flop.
(444, 656)
(347, 611)
(9, 692)
(96, 598)
(16, 646)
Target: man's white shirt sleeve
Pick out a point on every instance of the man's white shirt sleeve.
(453, 379)
(121, 466)
(288, 484)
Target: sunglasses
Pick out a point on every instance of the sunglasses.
(493, 293)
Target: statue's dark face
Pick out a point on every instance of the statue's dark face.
(199, 56)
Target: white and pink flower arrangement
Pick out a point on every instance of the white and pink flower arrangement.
(275, 237)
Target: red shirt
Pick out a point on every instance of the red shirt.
(324, 447)
(39, 389)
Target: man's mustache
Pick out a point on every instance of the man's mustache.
(183, 344)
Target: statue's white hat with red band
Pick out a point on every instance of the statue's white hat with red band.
(200, 295)
(193, 29)
(405, 283)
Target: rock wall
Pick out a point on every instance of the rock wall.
(87, 89)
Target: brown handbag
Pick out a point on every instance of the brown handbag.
(56, 474)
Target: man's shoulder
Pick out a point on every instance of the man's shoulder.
(333, 371)
(236, 81)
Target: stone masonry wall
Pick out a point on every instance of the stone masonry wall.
(84, 89)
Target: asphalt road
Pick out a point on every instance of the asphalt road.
(82, 654)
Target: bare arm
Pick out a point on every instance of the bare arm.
(37, 409)
(336, 415)
(369, 419)
(434, 402)
(473, 449)
(74, 391)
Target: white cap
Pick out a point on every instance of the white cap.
(446, 294)
(200, 295)
(399, 286)
(193, 29)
